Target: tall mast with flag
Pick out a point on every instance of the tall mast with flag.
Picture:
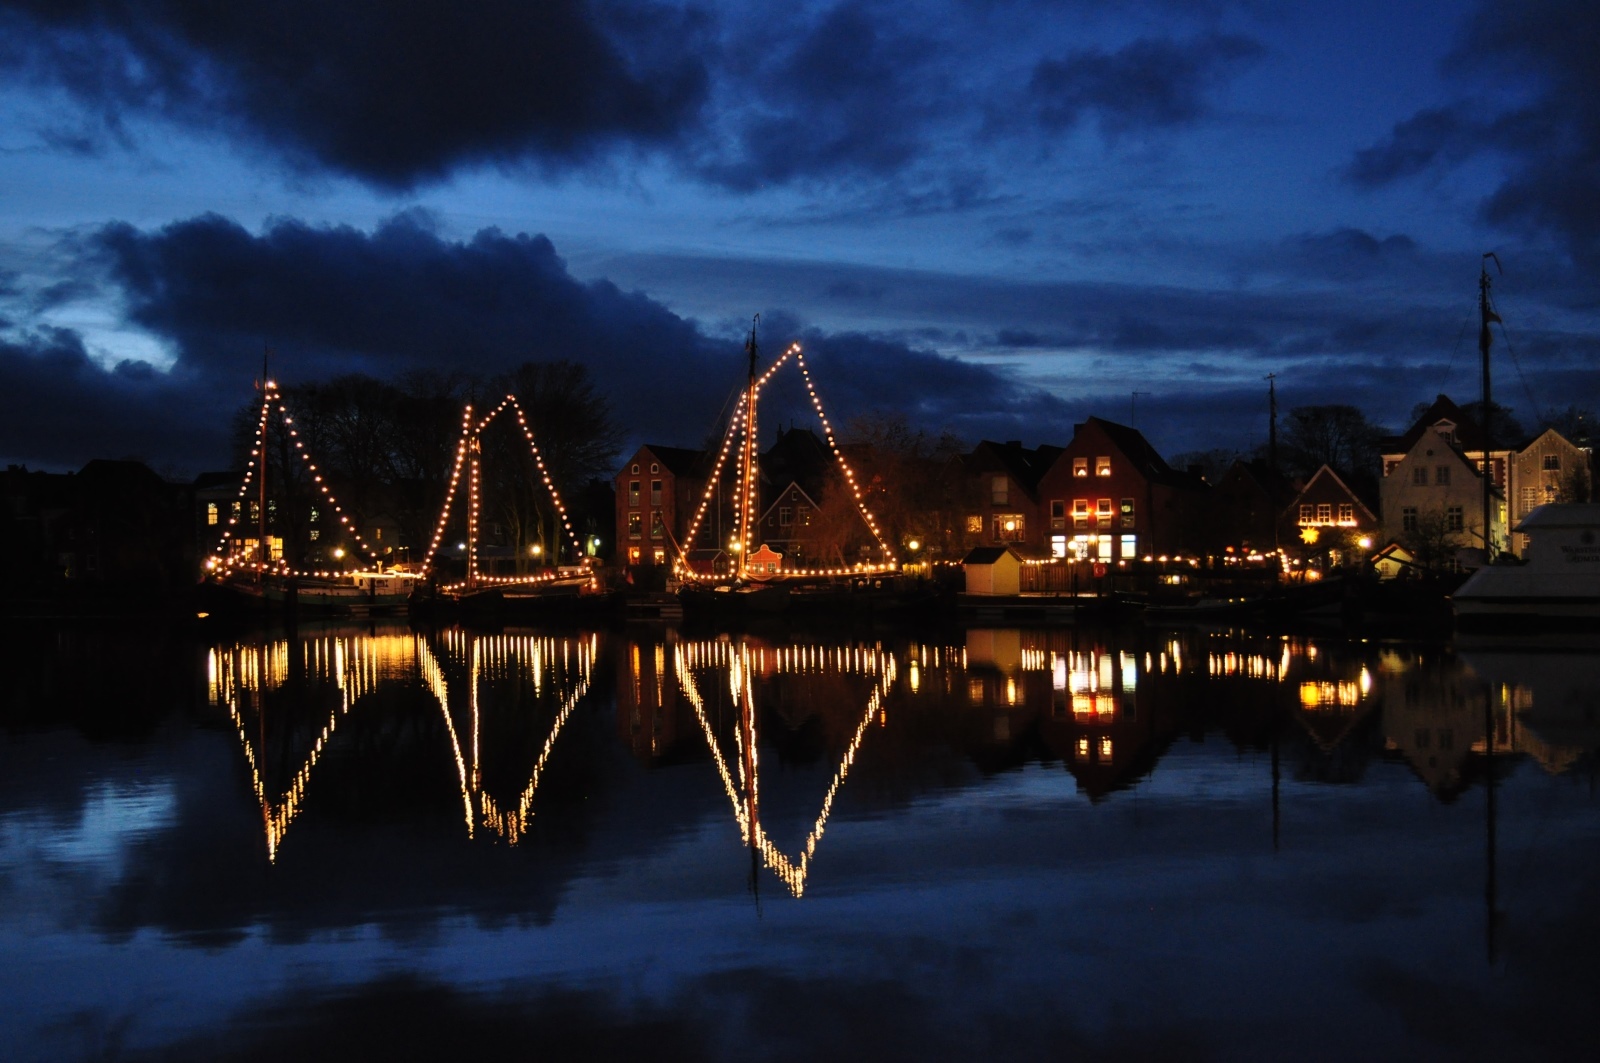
(1487, 317)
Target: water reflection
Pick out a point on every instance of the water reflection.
(1003, 822)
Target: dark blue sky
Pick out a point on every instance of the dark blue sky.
(999, 216)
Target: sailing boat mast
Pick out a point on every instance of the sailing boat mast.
(1486, 315)
(262, 551)
(747, 500)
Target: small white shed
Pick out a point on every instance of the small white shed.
(993, 570)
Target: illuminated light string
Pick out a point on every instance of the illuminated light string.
(792, 873)
(468, 452)
(491, 657)
(742, 428)
(219, 562)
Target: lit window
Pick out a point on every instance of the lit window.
(377, 534)
(659, 555)
(211, 513)
(1103, 511)
(1305, 513)
(1127, 513)
(656, 527)
(975, 525)
(1324, 512)
(237, 509)
(1080, 466)
(635, 525)
(316, 533)
(1102, 466)
(1083, 748)
(804, 515)
(1080, 512)
(1130, 546)
(314, 514)
(633, 551)
(1009, 527)
(1347, 513)
(1105, 747)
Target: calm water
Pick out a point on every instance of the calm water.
(370, 843)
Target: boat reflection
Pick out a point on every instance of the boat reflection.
(1104, 706)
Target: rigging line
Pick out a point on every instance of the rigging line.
(1466, 323)
(1527, 389)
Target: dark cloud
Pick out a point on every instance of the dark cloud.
(847, 92)
(1149, 84)
(59, 408)
(392, 93)
(333, 300)
(1550, 139)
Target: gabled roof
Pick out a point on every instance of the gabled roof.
(782, 498)
(680, 461)
(1137, 449)
(1327, 473)
(1469, 435)
(798, 457)
(1023, 465)
(1274, 484)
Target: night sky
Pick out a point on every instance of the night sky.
(995, 216)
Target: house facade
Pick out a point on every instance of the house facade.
(1548, 469)
(1109, 496)
(659, 490)
(1432, 501)
(1328, 518)
(1005, 498)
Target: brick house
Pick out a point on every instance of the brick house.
(1329, 516)
(1109, 496)
(1006, 502)
(659, 490)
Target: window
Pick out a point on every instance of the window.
(1408, 518)
(237, 509)
(804, 515)
(316, 533)
(1130, 547)
(211, 513)
(1058, 514)
(1552, 463)
(1080, 512)
(1127, 514)
(1305, 513)
(635, 471)
(656, 527)
(1103, 511)
(635, 525)
(314, 514)
(255, 511)
(1058, 546)
(1324, 512)
(1080, 466)
(1530, 498)
(1009, 527)
(659, 556)
(377, 534)
(633, 493)
(655, 492)
(999, 494)
(975, 525)
(1441, 475)
(654, 468)
(633, 551)
(1347, 512)
(1102, 466)
(1419, 476)
(1454, 518)
(785, 515)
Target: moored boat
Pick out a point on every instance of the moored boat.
(1558, 581)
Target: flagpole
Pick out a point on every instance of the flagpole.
(1484, 339)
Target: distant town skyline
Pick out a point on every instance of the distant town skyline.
(997, 217)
